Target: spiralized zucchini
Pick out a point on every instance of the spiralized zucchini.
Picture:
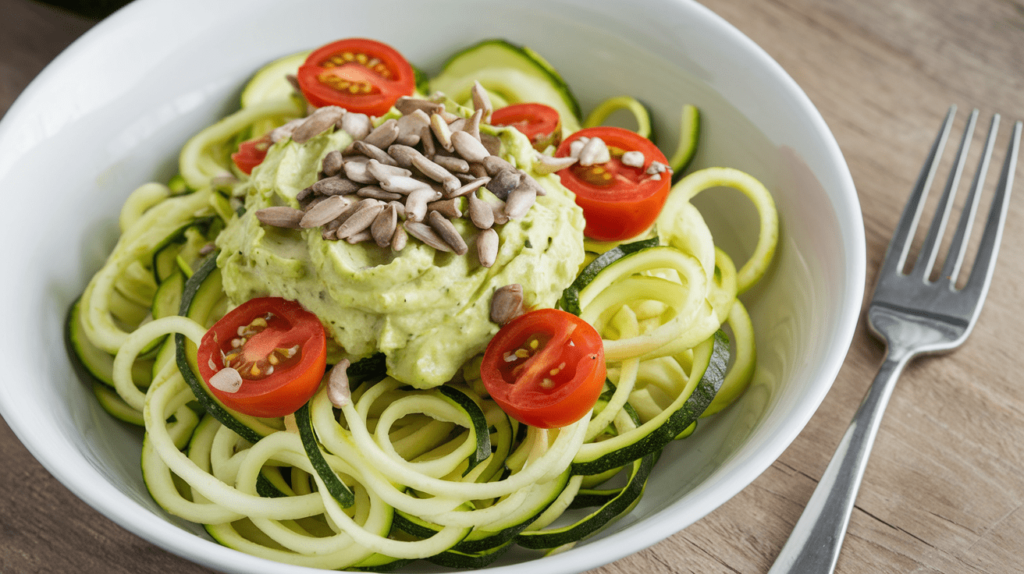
(403, 474)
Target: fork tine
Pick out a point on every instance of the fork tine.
(900, 242)
(984, 264)
(930, 247)
(955, 258)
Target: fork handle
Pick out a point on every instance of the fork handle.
(813, 547)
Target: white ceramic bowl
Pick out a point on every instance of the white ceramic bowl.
(114, 109)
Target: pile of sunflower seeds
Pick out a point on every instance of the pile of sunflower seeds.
(410, 176)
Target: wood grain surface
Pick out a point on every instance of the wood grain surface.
(944, 490)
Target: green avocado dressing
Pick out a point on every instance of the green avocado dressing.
(427, 311)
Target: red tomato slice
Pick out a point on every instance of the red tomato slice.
(538, 122)
(545, 368)
(277, 347)
(359, 75)
(618, 201)
(251, 153)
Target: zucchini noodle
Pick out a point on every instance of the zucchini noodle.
(399, 473)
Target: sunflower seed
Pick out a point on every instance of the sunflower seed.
(328, 230)
(657, 167)
(595, 151)
(507, 303)
(384, 225)
(633, 158)
(487, 247)
(409, 139)
(332, 163)
(356, 204)
(208, 248)
(426, 234)
(480, 213)
(481, 101)
(446, 207)
(306, 206)
(337, 384)
(280, 216)
(504, 182)
(357, 125)
(357, 172)
(383, 171)
(403, 154)
(491, 143)
(451, 163)
(427, 140)
(305, 194)
(477, 170)
(360, 237)
(470, 187)
(378, 193)
(294, 81)
(416, 203)
(447, 232)
(399, 208)
(458, 125)
(532, 183)
(399, 239)
(384, 134)
(335, 186)
(226, 380)
(493, 164)
(546, 164)
(361, 219)
(577, 145)
(519, 202)
(284, 132)
(324, 211)
(448, 116)
(373, 152)
(441, 131)
(408, 105)
(402, 184)
(431, 169)
(320, 121)
(409, 127)
(472, 126)
(498, 209)
(469, 147)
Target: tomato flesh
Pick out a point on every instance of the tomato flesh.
(360, 75)
(277, 347)
(618, 201)
(540, 123)
(251, 153)
(545, 368)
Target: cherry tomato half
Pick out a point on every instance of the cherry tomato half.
(359, 75)
(538, 122)
(277, 347)
(251, 153)
(545, 368)
(618, 201)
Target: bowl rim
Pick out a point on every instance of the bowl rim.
(118, 507)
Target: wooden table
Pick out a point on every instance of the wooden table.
(944, 491)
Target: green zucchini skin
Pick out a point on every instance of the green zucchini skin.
(620, 504)
(335, 486)
(469, 560)
(92, 363)
(480, 61)
(570, 300)
(476, 415)
(222, 414)
(266, 489)
(692, 408)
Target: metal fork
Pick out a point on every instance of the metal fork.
(912, 315)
